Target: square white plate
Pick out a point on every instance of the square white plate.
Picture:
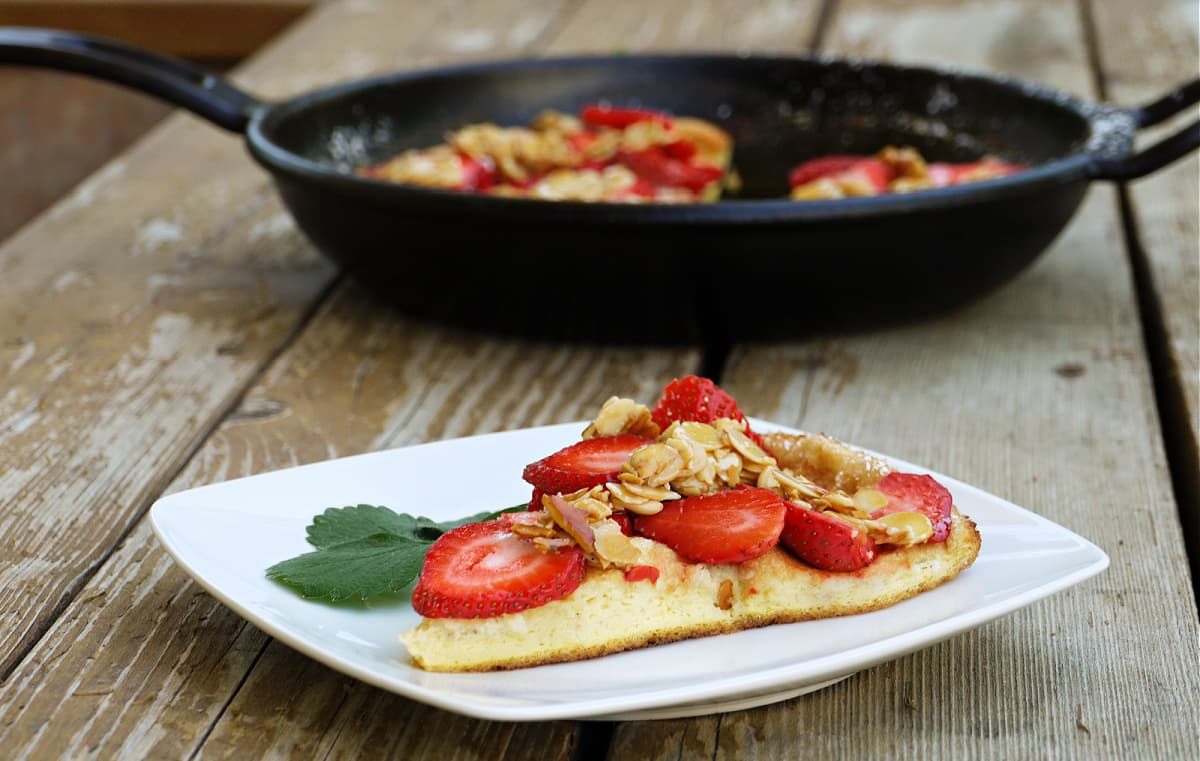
(227, 534)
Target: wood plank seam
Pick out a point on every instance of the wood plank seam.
(202, 738)
(1170, 394)
(824, 21)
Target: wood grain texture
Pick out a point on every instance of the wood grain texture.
(58, 129)
(694, 25)
(142, 662)
(223, 30)
(1142, 56)
(1039, 393)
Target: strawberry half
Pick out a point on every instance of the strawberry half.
(921, 494)
(582, 465)
(726, 527)
(482, 570)
(698, 400)
(826, 542)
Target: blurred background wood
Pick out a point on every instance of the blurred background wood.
(56, 129)
(209, 29)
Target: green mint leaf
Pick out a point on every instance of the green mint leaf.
(339, 525)
(370, 566)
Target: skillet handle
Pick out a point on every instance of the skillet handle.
(176, 81)
(1163, 152)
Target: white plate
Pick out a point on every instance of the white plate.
(225, 535)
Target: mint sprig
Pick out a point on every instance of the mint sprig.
(365, 551)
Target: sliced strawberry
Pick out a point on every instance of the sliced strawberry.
(581, 141)
(944, 174)
(726, 527)
(622, 520)
(535, 502)
(695, 399)
(643, 189)
(679, 149)
(642, 573)
(588, 463)
(698, 400)
(482, 570)
(596, 115)
(921, 494)
(824, 166)
(477, 174)
(825, 541)
(654, 165)
(873, 172)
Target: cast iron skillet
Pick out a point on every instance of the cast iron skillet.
(756, 265)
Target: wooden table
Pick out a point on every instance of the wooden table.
(165, 325)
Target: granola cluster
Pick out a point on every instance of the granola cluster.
(691, 459)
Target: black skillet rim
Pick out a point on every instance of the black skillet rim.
(1109, 126)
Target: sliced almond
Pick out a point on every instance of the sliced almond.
(869, 500)
(906, 528)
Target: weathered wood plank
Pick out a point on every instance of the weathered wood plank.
(57, 130)
(1040, 393)
(143, 662)
(135, 312)
(1142, 55)
(213, 29)
(635, 26)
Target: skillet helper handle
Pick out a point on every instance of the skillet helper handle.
(1163, 152)
(175, 81)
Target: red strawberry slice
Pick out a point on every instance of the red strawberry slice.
(726, 527)
(476, 174)
(581, 141)
(679, 149)
(596, 115)
(826, 542)
(588, 463)
(482, 570)
(535, 501)
(944, 174)
(921, 494)
(824, 166)
(698, 400)
(642, 573)
(642, 189)
(657, 167)
(622, 520)
(872, 171)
